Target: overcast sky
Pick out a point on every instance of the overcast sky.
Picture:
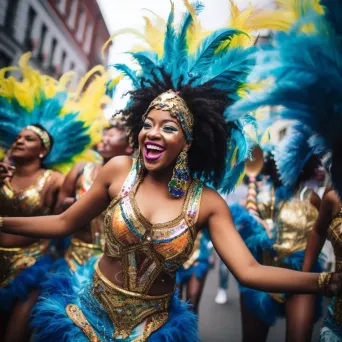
(121, 14)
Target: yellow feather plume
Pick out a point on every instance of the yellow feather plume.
(287, 13)
(88, 100)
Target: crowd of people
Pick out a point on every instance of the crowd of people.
(108, 226)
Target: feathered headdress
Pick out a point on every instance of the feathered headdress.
(292, 153)
(74, 120)
(306, 84)
(195, 57)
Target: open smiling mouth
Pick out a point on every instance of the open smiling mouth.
(153, 151)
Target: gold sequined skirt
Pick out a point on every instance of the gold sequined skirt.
(15, 260)
(126, 310)
(79, 253)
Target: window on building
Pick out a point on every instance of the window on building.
(81, 25)
(88, 37)
(72, 66)
(5, 60)
(52, 53)
(73, 14)
(12, 7)
(63, 61)
(41, 42)
(31, 18)
(61, 5)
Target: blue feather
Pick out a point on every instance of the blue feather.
(29, 279)
(231, 71)
(147, 60)
(203, 57)
(181, 52)
(169, 41)
(130, 73)
(292, 153)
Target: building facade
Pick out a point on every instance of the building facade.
(63, 35)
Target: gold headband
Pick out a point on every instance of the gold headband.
(42, 135)
(170, 101)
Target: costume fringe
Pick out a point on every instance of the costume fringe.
(52, 323)
(19, 288)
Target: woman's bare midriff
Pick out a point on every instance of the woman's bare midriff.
(112, 270)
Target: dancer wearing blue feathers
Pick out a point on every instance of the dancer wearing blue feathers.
(276, 234)
(307, 86)
(41, 136)
(157, 204)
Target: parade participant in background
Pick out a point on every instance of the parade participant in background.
(239, 196)
(276, 234)
(192, 274)
(307, 87)
(176, 116)
(43, 134)
(89, 241)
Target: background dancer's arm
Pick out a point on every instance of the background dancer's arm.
(67, 193)
(92, 204)
(318, 234)
(240, 261)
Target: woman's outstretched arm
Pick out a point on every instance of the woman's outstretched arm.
(240, 261)
(106, 186)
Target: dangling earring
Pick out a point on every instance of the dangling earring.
(179, 181)
(41, 155)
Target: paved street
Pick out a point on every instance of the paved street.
(221, 323)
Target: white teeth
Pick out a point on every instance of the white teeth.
(153, 147)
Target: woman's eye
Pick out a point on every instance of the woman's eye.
(146, 125)
(170, 129)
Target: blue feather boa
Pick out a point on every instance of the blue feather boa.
(27, 280)
(52, 323)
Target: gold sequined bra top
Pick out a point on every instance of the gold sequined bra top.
(295, 220)
(26, 202)
(146, 250)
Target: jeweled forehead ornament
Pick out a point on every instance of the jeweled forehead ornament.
(42, 135)
(170, 101)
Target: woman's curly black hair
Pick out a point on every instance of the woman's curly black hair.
(207, 155)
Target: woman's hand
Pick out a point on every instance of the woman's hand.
(6, 171)
(334, 286)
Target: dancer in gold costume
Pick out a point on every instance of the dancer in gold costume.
(307, 88)
(89, 241)
(42, 128)
(157, 205)
(287, 209)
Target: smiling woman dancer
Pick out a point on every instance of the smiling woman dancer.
(157, 204)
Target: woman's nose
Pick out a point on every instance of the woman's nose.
(154, 133)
